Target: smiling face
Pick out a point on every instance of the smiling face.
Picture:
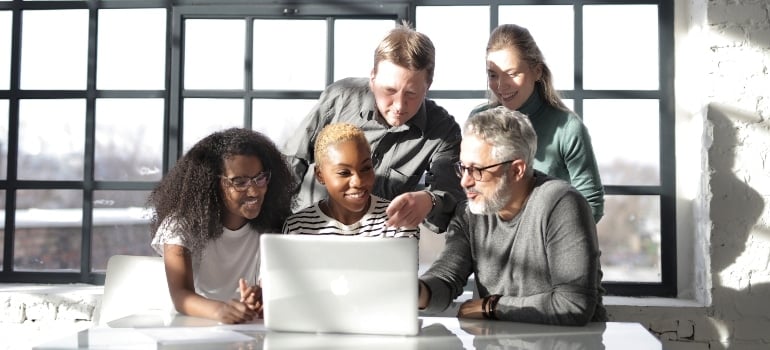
(240, 207)
(348, 174)
(399, 92)
(510, 78)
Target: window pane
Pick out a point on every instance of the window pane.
(202, 116)
(131, 59)
(2, 227)
(55, 49)
(214, 53)
(3, 139)
(354, 45)
(5, 49)
(121, 224)
(293, 60)
(48, 230)
(555, 37)
(629, 238)
(570, 103)
(460, 49)
(129, 139)
(625, 158)
(51, 139)
(631, 31)
(460, 108)
(289, 112)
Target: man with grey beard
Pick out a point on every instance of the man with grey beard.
(530, 239)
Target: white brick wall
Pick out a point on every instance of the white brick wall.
(32, 314)
(724, 80)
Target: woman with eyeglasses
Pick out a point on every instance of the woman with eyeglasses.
(208, 214)
(519, 79)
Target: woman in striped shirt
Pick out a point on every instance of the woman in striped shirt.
(344, 166)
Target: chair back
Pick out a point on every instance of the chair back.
(133, 284)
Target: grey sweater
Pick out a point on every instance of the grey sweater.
(544, 262)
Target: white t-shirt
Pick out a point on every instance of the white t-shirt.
(216, 271)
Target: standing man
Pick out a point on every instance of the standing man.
(529, 238)
(413, 140)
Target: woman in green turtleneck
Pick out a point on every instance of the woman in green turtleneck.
(520, 80)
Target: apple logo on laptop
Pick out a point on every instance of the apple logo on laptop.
(339, 286)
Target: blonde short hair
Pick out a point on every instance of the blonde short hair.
(407, 48)
(336, 133)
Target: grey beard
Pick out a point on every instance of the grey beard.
(500, 197)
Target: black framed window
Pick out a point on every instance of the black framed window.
(92, 114)
(613, 64)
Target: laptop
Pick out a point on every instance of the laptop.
(339, 284)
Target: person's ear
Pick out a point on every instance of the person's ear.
(318, 175)
(372, 76)
(518, 169)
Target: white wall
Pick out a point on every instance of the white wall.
(723, 171)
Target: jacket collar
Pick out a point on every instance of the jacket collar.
(370, 112)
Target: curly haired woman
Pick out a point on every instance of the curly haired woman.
(208, 214)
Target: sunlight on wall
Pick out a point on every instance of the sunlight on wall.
(690, 102)
(722, 329)
(751, 267)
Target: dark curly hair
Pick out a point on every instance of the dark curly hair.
(192, 196)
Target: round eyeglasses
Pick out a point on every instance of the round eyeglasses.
(242, 183)
(475, 172)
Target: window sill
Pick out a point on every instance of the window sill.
(651, 302)
(34, 288)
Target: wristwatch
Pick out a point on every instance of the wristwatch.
(432, 198)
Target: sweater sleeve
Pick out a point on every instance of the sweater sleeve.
(579, 158)
(448, 275)
(572, 256)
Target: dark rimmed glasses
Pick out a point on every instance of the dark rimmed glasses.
(242, 183)
(475, 172)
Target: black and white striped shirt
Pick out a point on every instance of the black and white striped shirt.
(312, 220)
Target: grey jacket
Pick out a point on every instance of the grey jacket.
(429, 142)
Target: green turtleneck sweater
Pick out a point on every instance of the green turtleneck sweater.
(563, 148)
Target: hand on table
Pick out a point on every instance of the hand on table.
(251, 296)
(471, 309)
(234, 311)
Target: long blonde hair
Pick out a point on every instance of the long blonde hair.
(518, 38)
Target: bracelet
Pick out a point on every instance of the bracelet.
(493, 306)
(432, 198)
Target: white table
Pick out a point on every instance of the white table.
(162, 331)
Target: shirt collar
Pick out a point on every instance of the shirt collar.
(369, 111)
(420, 120)
(368, 107)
